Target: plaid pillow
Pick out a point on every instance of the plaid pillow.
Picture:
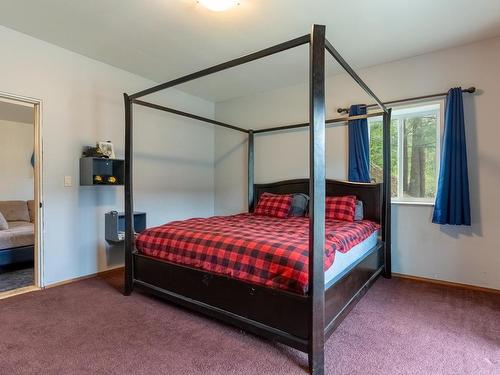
(277, 205)
(340, 208)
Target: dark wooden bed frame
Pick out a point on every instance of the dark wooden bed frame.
(262, 310)
(303, 322)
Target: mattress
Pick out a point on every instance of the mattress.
(344, 262)
(258, 249)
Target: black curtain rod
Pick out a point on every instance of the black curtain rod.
(329, 121)
(226, 65)
(186, 114)
(469, 90)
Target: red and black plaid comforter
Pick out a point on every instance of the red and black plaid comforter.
(258, 249)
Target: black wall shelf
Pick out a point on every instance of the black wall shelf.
(114, 222)
(101, 171)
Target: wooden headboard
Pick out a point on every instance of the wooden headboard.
(370, 194)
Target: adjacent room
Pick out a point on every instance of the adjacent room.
(17, 191)
(249, 187)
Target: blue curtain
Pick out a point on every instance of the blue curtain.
(359, 146)
(452, 198)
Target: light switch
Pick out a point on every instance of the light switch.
(68, 181)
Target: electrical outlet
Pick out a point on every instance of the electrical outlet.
(68, 181)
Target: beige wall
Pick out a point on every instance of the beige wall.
(458, 254)
(16, 172)
(175, 176)
(83, 103)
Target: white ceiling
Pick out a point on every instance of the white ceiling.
(164, 39)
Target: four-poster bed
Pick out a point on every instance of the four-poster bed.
(256, 308)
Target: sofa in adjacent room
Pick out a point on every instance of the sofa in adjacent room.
(17, 231)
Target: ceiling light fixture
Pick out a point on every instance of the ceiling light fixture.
(219, 5)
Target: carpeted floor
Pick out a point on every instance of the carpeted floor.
(399, 327)
(14, 278)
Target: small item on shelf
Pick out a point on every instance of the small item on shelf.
(95, 152)
(107, 149)
(105, 179)
(103, 149)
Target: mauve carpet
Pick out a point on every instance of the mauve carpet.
(399, 327)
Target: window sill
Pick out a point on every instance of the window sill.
(411, 203)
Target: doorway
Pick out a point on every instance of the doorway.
(21, 219)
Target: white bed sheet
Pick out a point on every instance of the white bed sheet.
(344, 262)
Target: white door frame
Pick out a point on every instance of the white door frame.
(39, 206)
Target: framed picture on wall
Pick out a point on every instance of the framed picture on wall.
(107, 149)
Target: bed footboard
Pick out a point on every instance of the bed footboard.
(274, 314)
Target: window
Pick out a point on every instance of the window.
(415, 131)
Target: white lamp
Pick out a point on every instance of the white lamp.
(219, 5)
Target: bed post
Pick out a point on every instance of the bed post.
(250, 180)
(317, 202)
(386, 201)
(129, 205)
